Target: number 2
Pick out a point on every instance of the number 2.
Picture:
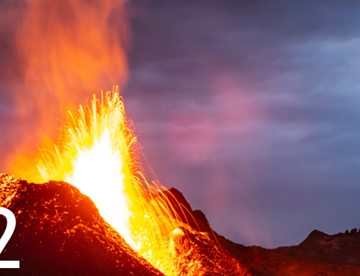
(9, 230)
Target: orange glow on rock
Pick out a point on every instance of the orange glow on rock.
(69, 50)
(98, 153)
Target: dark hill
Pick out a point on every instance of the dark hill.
(318, 254)
(339, 249)
(59, 231)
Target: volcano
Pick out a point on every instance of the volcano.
(60, 232)
(112, 220)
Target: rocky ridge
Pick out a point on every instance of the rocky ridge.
(319, 254)
(60, 232)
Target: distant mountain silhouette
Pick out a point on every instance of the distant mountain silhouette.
(339, 249)
(318, 254)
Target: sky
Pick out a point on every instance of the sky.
(249, 108)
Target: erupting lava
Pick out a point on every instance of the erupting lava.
(98, 153)
(70, 48)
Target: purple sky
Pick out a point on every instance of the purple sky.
(250, 108)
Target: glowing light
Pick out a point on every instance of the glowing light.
(98, 154)
(99, 166)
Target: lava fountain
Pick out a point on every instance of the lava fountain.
(98, 153)
(70, 46)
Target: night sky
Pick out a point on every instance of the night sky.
(249, 108)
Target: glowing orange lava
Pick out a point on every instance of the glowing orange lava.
(98, 153)
(68, 49)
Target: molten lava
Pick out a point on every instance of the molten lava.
(98, 153)
(67, 49)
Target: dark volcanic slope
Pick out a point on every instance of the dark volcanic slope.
(218, 259)
(339, 249)
(319, 254)
(59, 231)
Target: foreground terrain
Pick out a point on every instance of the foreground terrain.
(60, 232)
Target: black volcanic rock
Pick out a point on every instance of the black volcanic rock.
(206, 256)
(318, 254)
(353, 231)
(196, 219)
(59, 231)
(339, 249)
(218, 259)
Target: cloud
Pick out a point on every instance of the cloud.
(279, 80)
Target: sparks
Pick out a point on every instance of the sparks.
(98, 153)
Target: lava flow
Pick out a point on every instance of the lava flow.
(98, 153)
